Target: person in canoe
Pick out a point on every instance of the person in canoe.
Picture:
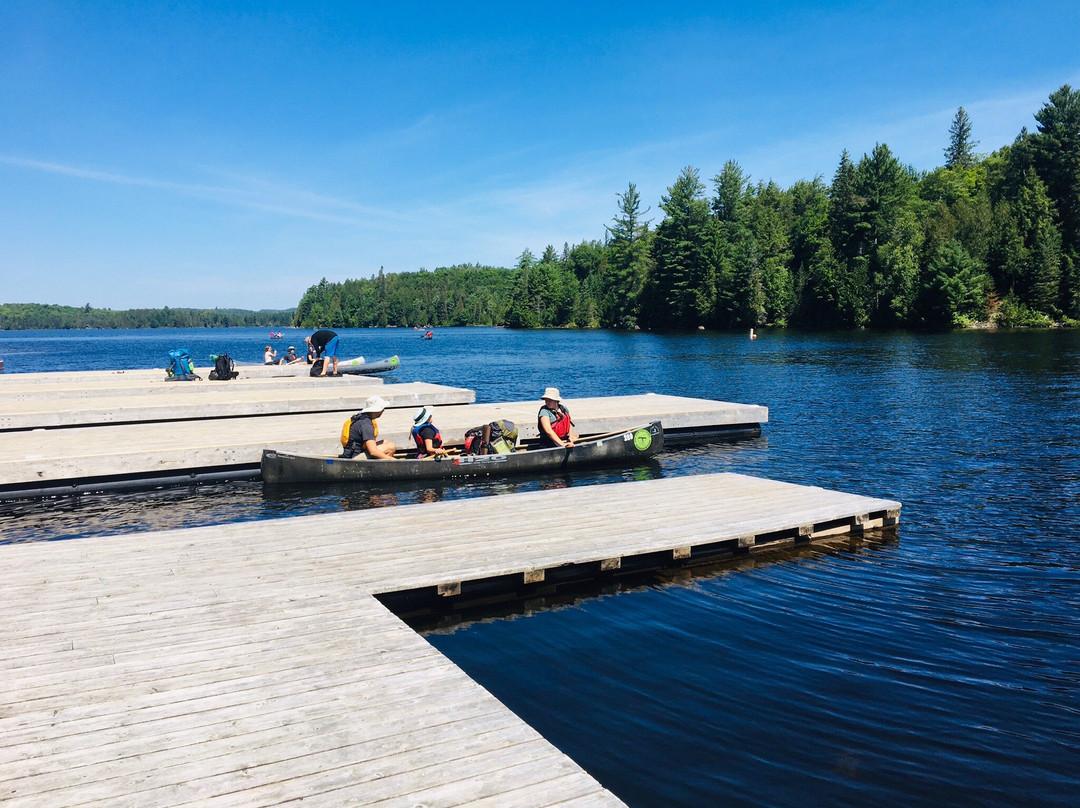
(553, 421)
(325, 343)
(363, 433)
(426, 435)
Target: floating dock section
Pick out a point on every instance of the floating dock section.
(252, 664)
(66, 433)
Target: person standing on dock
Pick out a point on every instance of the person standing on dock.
(364, 433)
(553, 421)
(426, 435)
(325, 343)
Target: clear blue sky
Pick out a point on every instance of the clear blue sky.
(232, 154)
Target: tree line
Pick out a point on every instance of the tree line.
(981, 239)
(24, 316)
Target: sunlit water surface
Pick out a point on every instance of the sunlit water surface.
(937, 665)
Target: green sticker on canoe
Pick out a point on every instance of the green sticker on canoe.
(642, 440)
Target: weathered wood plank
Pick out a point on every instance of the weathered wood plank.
(248, 664)
(222, 401)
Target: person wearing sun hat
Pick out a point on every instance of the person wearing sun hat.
(426, 435)
(553, 421)
(364, 433)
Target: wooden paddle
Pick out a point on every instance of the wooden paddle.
(591, 438)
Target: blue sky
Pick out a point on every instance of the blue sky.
(232, 154)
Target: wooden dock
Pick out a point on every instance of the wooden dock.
(65, 433)
(251, 664)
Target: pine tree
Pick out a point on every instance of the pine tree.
(766, 222)
(1056, 156)
(1056, 149)
(628, 264)
(953, 288)
(846, 229)
(731, 187)
(960, 153)
(682, 285)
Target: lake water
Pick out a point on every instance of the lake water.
(939, 665)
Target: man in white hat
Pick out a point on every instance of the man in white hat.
(553, 421)
(364, 433)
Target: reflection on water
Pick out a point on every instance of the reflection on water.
(446, 616)
(82, 515)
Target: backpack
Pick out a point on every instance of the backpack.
(223, 368)
(474, 440)
(181, 368)
(504, 436)
(501, 440)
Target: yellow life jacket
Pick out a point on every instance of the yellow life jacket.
(347, 427)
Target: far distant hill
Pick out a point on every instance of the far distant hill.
(25, 316)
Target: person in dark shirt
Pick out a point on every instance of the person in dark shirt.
(325, 343)
(364, 433)
(426, 435)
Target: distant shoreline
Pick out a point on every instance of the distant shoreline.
(45, 316)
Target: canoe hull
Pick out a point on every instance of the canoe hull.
(366, 368)
(624, 448)
(358, 367)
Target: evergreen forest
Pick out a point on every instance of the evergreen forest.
(982, 239)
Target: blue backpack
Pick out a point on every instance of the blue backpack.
(181, 368)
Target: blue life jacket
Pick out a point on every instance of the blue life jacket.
(420, 447)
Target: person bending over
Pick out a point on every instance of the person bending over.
(325, 343)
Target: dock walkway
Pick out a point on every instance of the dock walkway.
(250, 664)
(64, 433)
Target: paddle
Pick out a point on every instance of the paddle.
(603, 435)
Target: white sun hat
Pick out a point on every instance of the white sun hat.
(422, 416)
(552, 393)
(374, 404)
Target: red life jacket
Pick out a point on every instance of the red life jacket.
(561, 425)
(421, 448)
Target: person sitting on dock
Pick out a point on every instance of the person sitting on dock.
(270, 356)
(325, 343)
(290, 357)
(364, 433)
(553, 421)
(426, 435)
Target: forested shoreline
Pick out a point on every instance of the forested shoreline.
(30, 316)
(981, 240)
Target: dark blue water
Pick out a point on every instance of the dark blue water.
(936, 666)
